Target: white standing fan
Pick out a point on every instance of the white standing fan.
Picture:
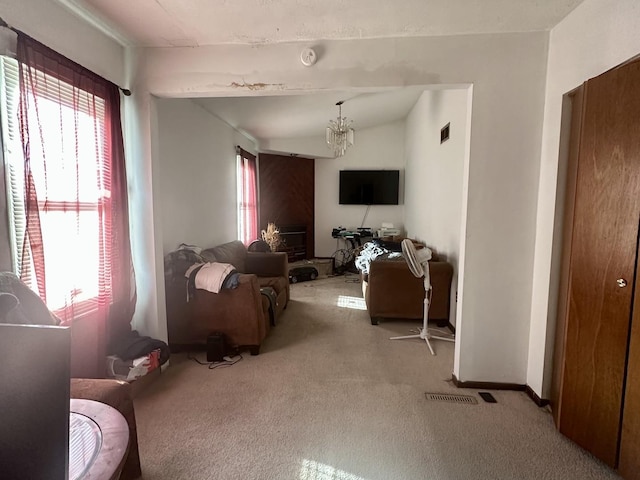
(418, 262)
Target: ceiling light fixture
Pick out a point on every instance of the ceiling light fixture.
(340, 135)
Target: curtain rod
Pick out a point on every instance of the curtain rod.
(125, 91)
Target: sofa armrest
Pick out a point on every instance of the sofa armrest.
(237, 312)
(272, 264)
(441, 276)
(393, 292)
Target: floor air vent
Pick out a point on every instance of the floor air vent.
(447, 397)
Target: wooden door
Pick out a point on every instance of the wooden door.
(604, 245)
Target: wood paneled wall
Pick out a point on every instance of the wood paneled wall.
(286, 193)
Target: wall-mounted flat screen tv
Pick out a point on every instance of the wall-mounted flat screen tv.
(369, 187)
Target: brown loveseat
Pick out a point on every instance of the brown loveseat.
(242, 314)
(391, 291)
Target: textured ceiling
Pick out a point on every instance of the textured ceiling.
(162, 23)
(289, 116)
(167, 23)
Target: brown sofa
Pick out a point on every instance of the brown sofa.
(242, 314)
(391, 291)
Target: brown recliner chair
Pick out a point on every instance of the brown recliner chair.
(242, 314)
(390, 290)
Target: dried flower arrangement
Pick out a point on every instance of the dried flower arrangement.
(272, 236)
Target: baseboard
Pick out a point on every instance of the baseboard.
(541, 402)
(488, 385)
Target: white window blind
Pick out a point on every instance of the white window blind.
(72, 182)
(13, 156)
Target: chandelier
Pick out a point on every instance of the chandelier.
(340, 135)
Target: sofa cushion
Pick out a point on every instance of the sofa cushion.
(177, 262)
(208, 256)
(234, 253)
(275, 284)
(279, 284)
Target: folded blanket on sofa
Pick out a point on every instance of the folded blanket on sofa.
(211, 276)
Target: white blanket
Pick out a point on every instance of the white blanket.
(369, 253)
(211, 276)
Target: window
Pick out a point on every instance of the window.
(12, 154)
(66, 187)
(247, 197)
(70, 169)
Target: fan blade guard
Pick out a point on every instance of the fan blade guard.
(415, 258)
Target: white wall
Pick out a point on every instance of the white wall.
(434, 174)
(142, 177)
(197, 175)
(596, 36)
(508, 75)
(56, 27)
(374, 149)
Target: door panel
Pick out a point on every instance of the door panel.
(604, 250)
(629, 464)
(577, 106)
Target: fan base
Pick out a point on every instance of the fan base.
(426, 336)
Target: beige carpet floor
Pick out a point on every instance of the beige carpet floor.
(330, 397)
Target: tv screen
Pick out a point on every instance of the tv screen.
(369, 187)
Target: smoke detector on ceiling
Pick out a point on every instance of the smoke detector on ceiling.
(308, 57)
